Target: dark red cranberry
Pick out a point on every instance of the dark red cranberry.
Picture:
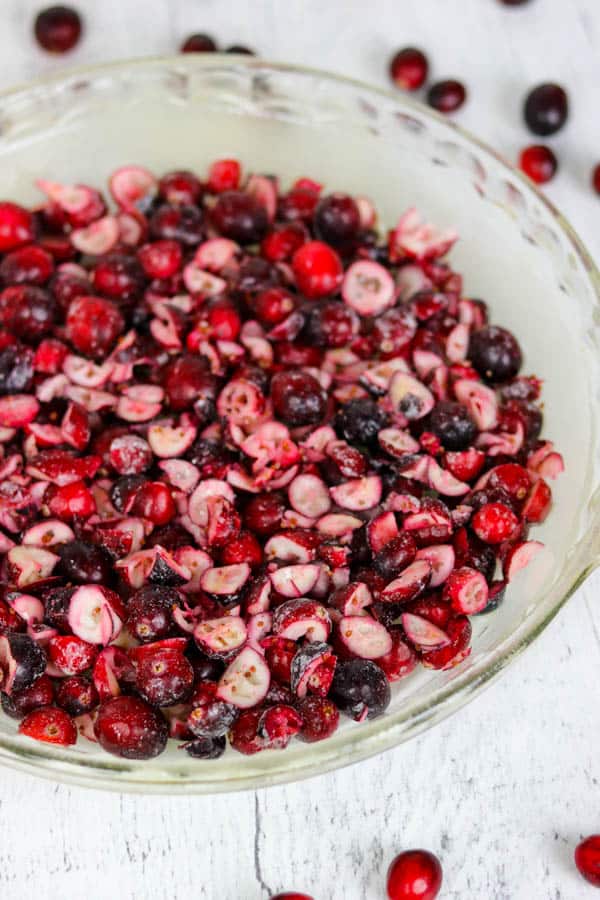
(206, 748)
(20, 703)
(495, 353)
(360, 421)
(292, 355)
(85, 563)
(317, 269)
(360, 689)
(282, 242)
(395, 556)
(57, 29)
(257, 274)
(210, 717)
(10, 620)
(76, 695)
(470, 551)
(291, 895)
(414, 875)
(409, 68)
(587, 859)
(337, 220)
(164, 677)
(49, 724)
(56, 603)
(263, 513)
(150, 612)
(16, 370)
(124, 489)
(332, 324)
(394, 330)
(160, 259)
(93, 325)
(546, 109)
(29, 312)
(244, 736)
(240, 49)
(17, 226)
(129, 727)
(205, 668)
(154, 501)
(186, 380)
(65, 287)
(452, 424)
(298, 398)
(539, 163)
(240, 217)
(596, 178)
(180, 187)
(27, 265)
(320, 718)
(183, 223)
(118, 276)
(446, 96)
(198, 43)
(298, 205)
(171, 537)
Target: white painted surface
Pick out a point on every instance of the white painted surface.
(503, 790)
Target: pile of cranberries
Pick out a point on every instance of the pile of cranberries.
(259, 460)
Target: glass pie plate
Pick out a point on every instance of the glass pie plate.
(515, 250)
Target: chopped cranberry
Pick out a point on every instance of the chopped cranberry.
(30, 265)
(414, 875)
(332, 324)
(21, 703)
(539, 163)
(71, 654)
(93, 325)
(70, 501)
(58, 29)
(318, 270)
(173, 222)
(409, 68)
(298, 398)
(447, 96)
(244, 548)
(49, 724)
(198, 43)
(224, 175)
(320, 718)
(596, 178)
(587, 859)
(240, 217)
(131, 728)
(17, 226)
(459, 630)
(154, 501)
(76, 695)
(160, 259)
(164, 677)
(546, 109)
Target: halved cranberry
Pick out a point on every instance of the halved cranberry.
(131, 728)
(49, 724)
(409, 68)
(58, 28)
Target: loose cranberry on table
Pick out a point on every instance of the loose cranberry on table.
(546, 109)
(409, 68)
(596, 178)
(199, 43)
(587, 859)
(58, 28)
(414, 875)
(539, 162)
(447, 96)
(293, 895)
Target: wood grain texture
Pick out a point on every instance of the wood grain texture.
(504, 789)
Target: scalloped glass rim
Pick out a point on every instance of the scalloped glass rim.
(349, 745)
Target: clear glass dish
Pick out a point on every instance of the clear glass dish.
(516, 251)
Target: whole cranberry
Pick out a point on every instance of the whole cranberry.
(298, 398)
(273, 305)
(317, 269)
(263, 513)
(240, 217)
(93, 325)
(546, 109)
(29, 312)
(85, 563)
(337, 220)
(17, 226)
(118, 276)
(539, 163)
(66, 287)
(180, 187)
(57, 29)
(414, 875)
(27, 265)
(452, 424)
(70, 501)
(596, 178)
(150, 612)
(154, 501)
(76, 695)
(49, 724)
(164, 677)
(186, 380)
(240, 49)
(224, 175)
(332, 324)
(282, 242)
(16, 369)
(293, 895)
(243, 548)
(131, 728)
(183, 223)
(360, 689)
(409, 68)
(587, 859)
(320, 718)
(160, 259)
(198, 43)
(447, 96)
(495, 353)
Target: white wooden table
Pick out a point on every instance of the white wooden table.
(503, 790)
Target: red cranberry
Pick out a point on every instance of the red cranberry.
(452, 424)
(409, 68)
(240, 49)
(28, 311)
(118, 276)
(31, 265)
(318, 270)
(298, 398)
(337, 220)
(93, 325)
(20, 703)
(495, 353)
(183, 223)
(198, 43)
(85, 563)
(393, 331)
(224, 175)
(49, 724)
(539, 163)
(332, 324)
(414, 875)
(154, 501)
(160, 259)
(10, 620)
(596, 178)
(494, 523)
(244, 548)
(70, 500)
(17, 226)
(291, 896)
(240, 217)
(58, 29)
(264, 512)
(298, 205)
(186, 380)
(293, 355)
(273, 305)
(180, 187)
(164, 677)
(447, 96)
(281, 243)
(129, 727)
(76, 695)
(587, 859)
(149, 612)
(320, 718)
(546, 109)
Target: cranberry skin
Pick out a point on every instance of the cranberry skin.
(453, 425)
(185, 379)
(539, 163)
(49, 724)
(164, 677)
(360, 689)
(281, 243)
(360, 421)
(154, 501)
(27, 265)
(65, 287)
(119, 277)
(210, 717)
(93, 325)
(130, 728)
(124, 489)
(596, 178)
(495, 354)
(395, 556)
(180, 188)
(446, 96)
(76, 695)
(494, 523)
(317, 269)
(337, 220)
(291, 896)
(70, 500)
(224, 175)
(198, 43)
(263, 513)
(298, 398)
(206, 748)
(409, 68)
(20, 703)
(85, 563)
(182, 223)
(240, 217)
(17, 226)
(16, 370)
(414, 875)
(10, 620)
(320, 718)
(332, 324)
(587, 859)
(149, 612)
(459, 631)
(57, 29)
(29, 312)
(546, 109)
(244, 548)
(240, 50)
(160, 259)
(273, 305)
